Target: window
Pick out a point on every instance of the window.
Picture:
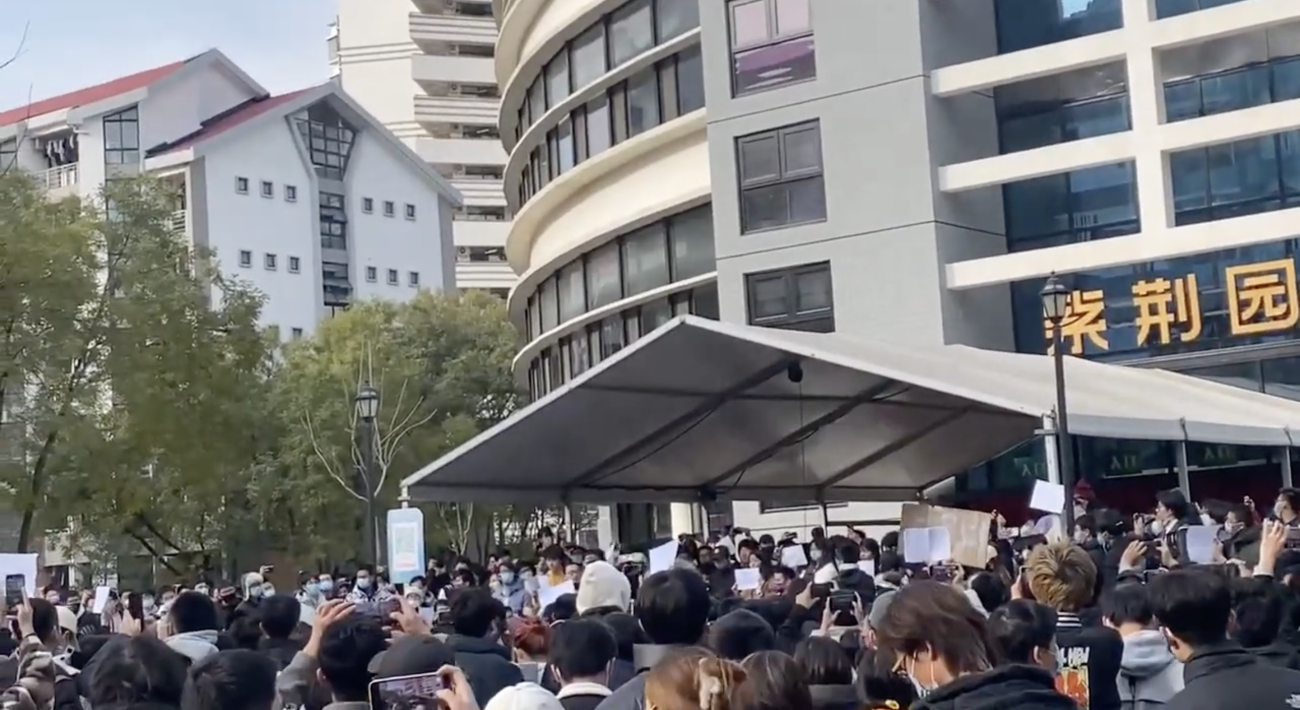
(245, 258)
(799, 298)
(410, 211)
(631, 32)
(290, 193)
(329, 140)
(269, 260)
(587, 56)
(241, 185)
(645, 260)
(781, 182)
(691, 241)
(389, 208)
(413, 278)
(564, 146)
(573, 295)
(392, 277)
(368, 205)
(295, 265)
(268, 188)
(642, 103)
(296, 334)
(557, 79)
(372, 274)
(690, 81)
(603, 283)
(122, 139)
(546, 296)
(333, 221)
(771, 44)
(675, 17)
(598, 137)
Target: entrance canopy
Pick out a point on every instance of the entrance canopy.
(699, 410)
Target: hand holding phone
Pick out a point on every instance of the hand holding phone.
(15, 590)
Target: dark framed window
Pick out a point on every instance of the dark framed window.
(795, 298)
(372, 274)
(329, 140)
(565, 157)
(268, 189)
(781, 181)
(587, 56)
(690, 81)
(245, 258)
(295, 265)
(390, 208)
(573, 291)
(642, 103)
(604, 277)
(368, 205)
(290, 193)
(631, 31)
(690, 236)
(674, 18)
(392, 277)
(333, 221)
(645, 260)
(557, 79)
(122, 138)
(771, 44)
(550, 304)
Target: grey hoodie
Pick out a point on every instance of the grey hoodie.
(1149, 675)
(194, 645)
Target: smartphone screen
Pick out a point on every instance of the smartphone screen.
(412, 692)
(14, 586)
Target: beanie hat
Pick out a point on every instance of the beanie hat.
(602, 585)
(523, 696)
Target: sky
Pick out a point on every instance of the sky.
(73, 44)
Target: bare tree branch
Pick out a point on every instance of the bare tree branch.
(20, 50)
(329, 468)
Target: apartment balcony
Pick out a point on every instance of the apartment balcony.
(480, 192)
(426, 69)
(467, 232)
(452, 29)
(485, 275)
(60, 181)
(179, 222)
(462, 151)
(467, 110)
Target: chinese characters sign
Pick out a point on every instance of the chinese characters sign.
(1254, 299)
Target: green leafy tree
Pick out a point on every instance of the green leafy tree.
(441, 366)
(132, 364)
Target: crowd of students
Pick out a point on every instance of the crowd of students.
(1114, 619)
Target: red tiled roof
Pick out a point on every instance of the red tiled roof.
(89, 95)
(240, 114)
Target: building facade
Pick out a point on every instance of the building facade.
(425, 68)
(304, 195)
(913, 171)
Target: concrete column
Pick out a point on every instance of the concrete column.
(685, 518)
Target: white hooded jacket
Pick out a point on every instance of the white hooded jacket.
(194, 645)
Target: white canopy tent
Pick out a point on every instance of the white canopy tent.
(703, 410)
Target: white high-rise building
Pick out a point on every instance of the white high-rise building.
(425, 68)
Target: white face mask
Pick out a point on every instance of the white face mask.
(363, 583)
(1156, 527)
(268, 590)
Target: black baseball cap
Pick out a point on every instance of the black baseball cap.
(411, 655)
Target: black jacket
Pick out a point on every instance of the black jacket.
(1228, 676)
(1089, 662)
(281, 651)
(835, 697)
(486, 664)
(1004, 688)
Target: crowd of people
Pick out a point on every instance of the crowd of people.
(1112, 617)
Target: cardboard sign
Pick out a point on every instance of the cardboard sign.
(968, 530)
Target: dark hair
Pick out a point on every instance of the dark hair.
(565, 607)
(137, 671)
(45, 618)
(231, 680)
(280, 615)
(1292, 497)
(878, 684)
(346, 650)
(990, 589)
(740, 633)
(823, 662)
(1195, 605)
(1175, 501)
(246, 631)
(773, 681)
(931, 615)
(473, 612)
(627, 633)
(673, 607)
(582, 648)
(193, 611)
(1258, 608)
(1217, 510)
(1127, 603)
(1019, 627)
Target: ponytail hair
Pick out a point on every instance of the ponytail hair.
(692, 679)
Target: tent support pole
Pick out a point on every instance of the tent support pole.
(1180, 460)
(1285, 452)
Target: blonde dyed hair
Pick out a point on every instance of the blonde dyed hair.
(692, 679)
(1061, 576)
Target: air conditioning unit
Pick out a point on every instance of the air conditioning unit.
(462, 251)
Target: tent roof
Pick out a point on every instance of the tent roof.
(701, 409)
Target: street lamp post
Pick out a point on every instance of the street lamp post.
(367, 406)
(1056, 304)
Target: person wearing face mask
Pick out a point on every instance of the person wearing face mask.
(309, 594)
(326, 585)
(364, 590)
(1242, 535)
(941, 644)
(510, 592)
(1287, 507)
(1025, 632)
